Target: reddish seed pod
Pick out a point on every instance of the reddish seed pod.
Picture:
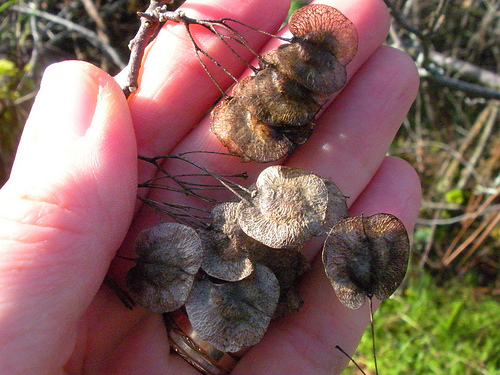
(272, 112)
(327, 26)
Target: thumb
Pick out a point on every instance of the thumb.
(65, 209)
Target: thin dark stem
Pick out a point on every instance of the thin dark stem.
(350, 358)
(210, 24)
(232, 186)
(370, 302)
(198, 50)
(120, 293)
(466, 87)
(126, 258)
(429, 64)
(179, 213)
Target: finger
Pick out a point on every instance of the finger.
(304, 342)
(63, 212)
(354, 133)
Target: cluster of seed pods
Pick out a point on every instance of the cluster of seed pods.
(241, 271)
(236, 275)
(273, 111)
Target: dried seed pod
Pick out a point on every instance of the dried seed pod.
(226, 247)
(223, 258)
(366, 256)
(234, 315)
(288, 265)
(309, 65)
(272, 98)
(245, 135)
(272, 112)
(169, 258)
(225, 220)
(298, 135)
(289, 207)
(328, 27)
(337, 206)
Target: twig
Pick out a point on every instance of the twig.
(430, 65)
(157, 14)
(452, 253)
(92, 11)
(150, 24)
(485, 77)
(466, 87)
(459, 218)
(487, 119)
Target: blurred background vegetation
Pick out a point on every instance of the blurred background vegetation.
(446, 317)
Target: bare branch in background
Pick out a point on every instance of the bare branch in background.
(433, 64)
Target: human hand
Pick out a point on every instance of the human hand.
(69, 204)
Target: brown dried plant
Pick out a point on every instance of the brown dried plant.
(273, 111)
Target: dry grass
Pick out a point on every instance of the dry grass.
(452, 134)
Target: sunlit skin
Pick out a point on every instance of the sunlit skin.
(70, 202)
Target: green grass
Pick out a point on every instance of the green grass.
(451, 329)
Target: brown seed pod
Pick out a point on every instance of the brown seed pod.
(289, 207)
(272, 98)
(245, 135)
(226, 248)
(328, 27)
(223, 258)
(169, 258)
(366, 256)
(272, 112)
(337, 206)
(298, 135)
(234, 315)
(315, 69)
(288, 265)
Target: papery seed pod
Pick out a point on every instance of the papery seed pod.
(298, 135)
(223, 258)
(225, 219)
(272, 98)
(326, 26)
(315, 69)
(289, 207)
(337, 206)
(288, 265)
(226, 248)
(245, 135)
(366, 256)
(169, 258)
(231, 316)
(271, 113)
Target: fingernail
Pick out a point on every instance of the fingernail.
(66, 102)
